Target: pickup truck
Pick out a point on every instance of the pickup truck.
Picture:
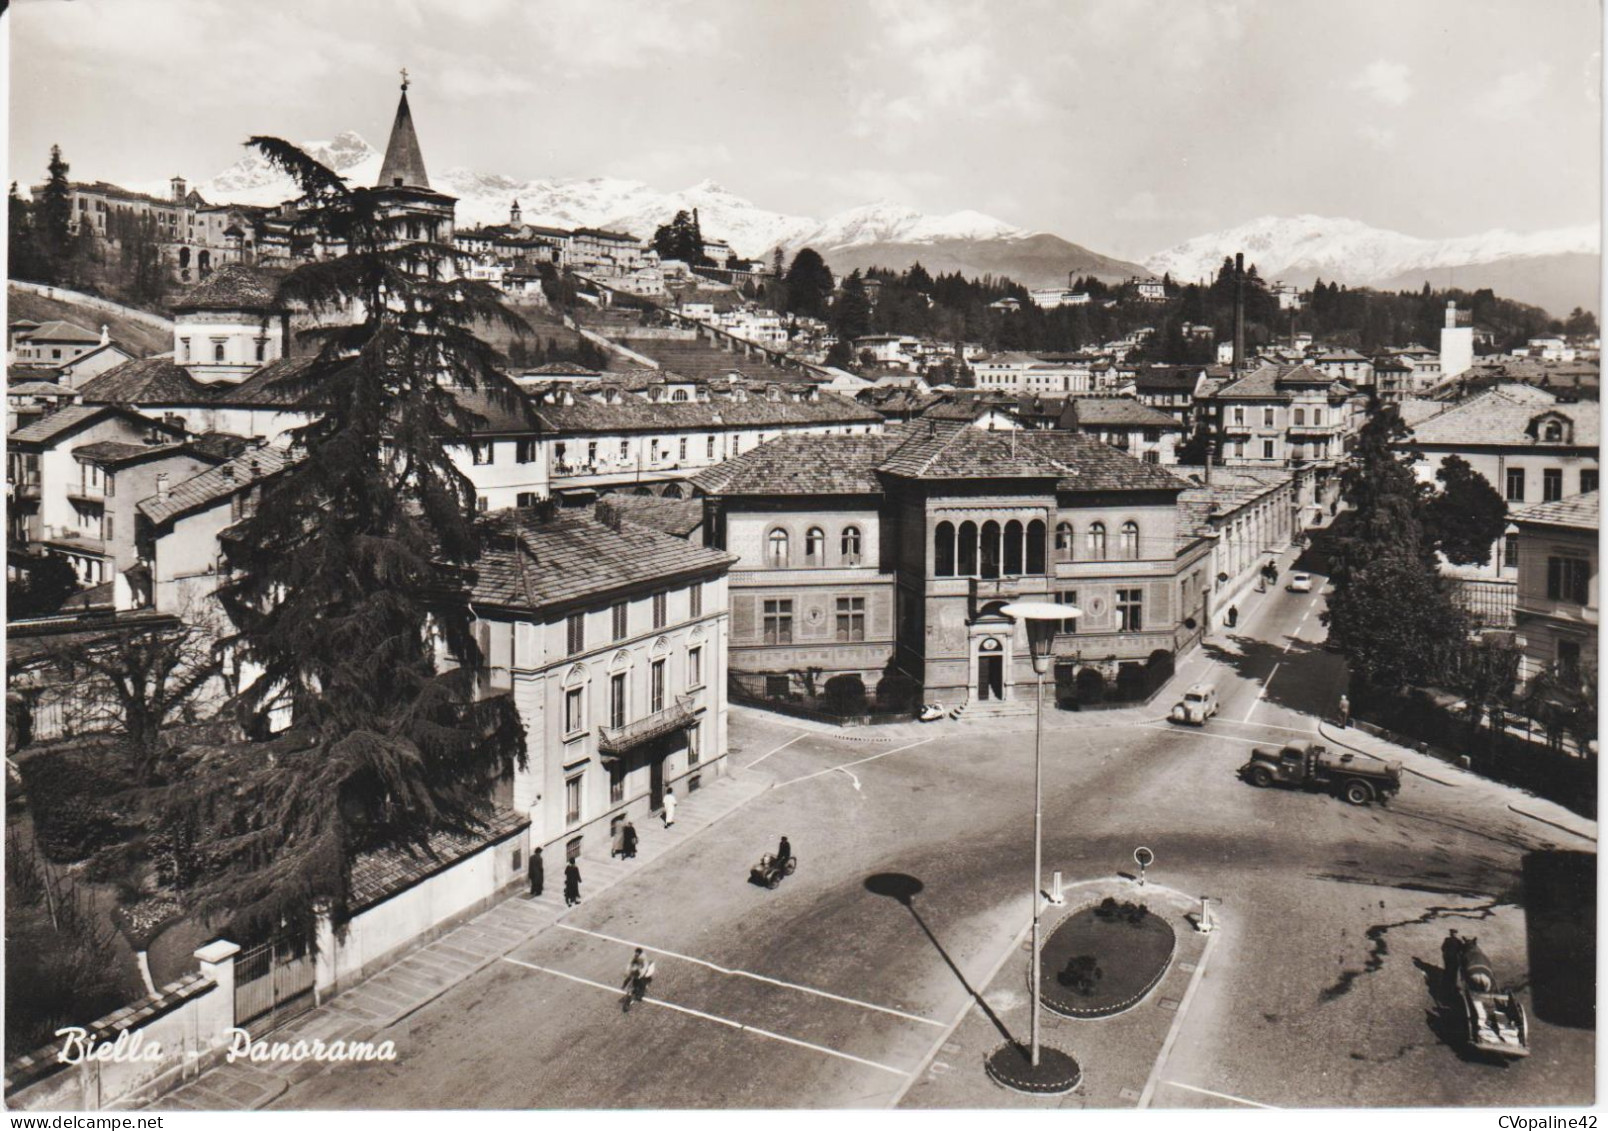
(1358, 778)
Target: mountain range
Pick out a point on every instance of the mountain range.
(1557, 269)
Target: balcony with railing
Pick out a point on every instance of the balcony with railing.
(27, 487)
(676, 716)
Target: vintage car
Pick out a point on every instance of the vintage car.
(1300, 583)
(1198, 704)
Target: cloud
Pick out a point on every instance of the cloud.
(1513, 93)
(1389, 83)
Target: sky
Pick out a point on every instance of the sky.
(1123, 125)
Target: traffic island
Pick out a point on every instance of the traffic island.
(1011, 1066)
(1103, 958)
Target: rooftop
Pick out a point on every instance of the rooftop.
(59, 331)
(1495, 418)
(1121, 410)
(69, 417)
(213, 484)
(1578, 511)
(235, 287)
(1271, 381)
(378, 875)
(803, 465)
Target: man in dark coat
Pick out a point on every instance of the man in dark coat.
(784, 853)
(628, 841)
(534, 872)
(1451, 958)
(572, 884)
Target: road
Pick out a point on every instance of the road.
(835, 989)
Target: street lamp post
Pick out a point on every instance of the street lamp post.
(1041, 618)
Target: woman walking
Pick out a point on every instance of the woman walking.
(669, 807)
(572, 884)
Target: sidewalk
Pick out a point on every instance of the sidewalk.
(401, 989)
(1432, 769)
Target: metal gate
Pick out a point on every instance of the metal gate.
(273, 984)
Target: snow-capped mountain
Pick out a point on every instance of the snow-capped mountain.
(1302, 248)
(632, 206)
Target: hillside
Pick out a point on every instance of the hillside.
(139, 338)
(1556, 283)
(1041, 260)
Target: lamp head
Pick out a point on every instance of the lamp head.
(1043, 620)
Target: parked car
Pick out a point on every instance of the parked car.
(1300, 583)
(1198, 704)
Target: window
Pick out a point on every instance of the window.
(481, 451)
(217, 349)
(1068, 597)
(1568, 660)
(1267, 449)
(574, 710)
(776, 549)
(625, 449)
(110, 485)
(653, 449)
(1552, 431)
(694, 743)
(617, 783)
(1300, 417)
(814, 546)
(661, 603)
(262, 349)
(850, 619)
(1035, 547)
(591, 452)
(709, 449)
(943, 550)
(656, 686)
(1551, 484)
(1568, 579)
(617, 700)
(525, 499)
(1588, 479)
(1097, 543)
(1267, 418)
(572, 799)
(620, 617)
(575, 630)
(1515, 485)
(1064, 542)
(694, 667)
(184, 349)
(1013, 548)
(989, 550)
(524, 451)
(778, 625)
(1130, 610)
(849, 545)
(1239, 416)
(967, 550)
(681, 450)
(1510, 551)
(106, 533)
(1130, 540)
(1317, 417)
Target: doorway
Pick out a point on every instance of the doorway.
(991, 677)
(656, 783)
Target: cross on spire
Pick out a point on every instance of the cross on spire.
(404, 78)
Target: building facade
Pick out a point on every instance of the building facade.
(1556, 614)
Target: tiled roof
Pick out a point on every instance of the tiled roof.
(379, 875)
(535, 562)
(803, 465)
(679, 517)
(117, 451)
(1077, 462)
(146, 380)
(213, 484)
(235, 287)
(1268, 381)
(1121, 410)
(1416, 410)
(1492, 418)
(271, 385)
(64, 419)
(554, 368)
(637, 414)
(221, 445)
(404, 160)
(1578, 511)
(498, 414)
(1168, 379)
(40, 389)
(59, 331)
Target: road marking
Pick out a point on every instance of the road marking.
(726, 1021)
(1261, 691)
(1220, 1095)
(783, 746)
(1178, 1022)
(851, 777)
(756, 977)
(858, 761)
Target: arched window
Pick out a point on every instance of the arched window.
(989, 551)
(679, 395)
(943, 550)
(1552, 431)
(849, 545)
(1064, 542)
(966, 550)
(1013, 548)
(1130, 540)
(1035, 547)
(814, 546)
(776, 549)
(1097, 541)
(1300, 417)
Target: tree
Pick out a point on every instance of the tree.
(53, 217)
(1580, 324)
(851, 313)
(1466, 518)
(350, 576)
(41, 586)
(841, 354)
(808, 284)
(26, 259)
(680, 239)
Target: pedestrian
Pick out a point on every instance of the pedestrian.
(633, 985)
(784, 853)
(572, 884)
(1451, 958)
(1345, 711)
(628, 840)
(534, 871)
(617, 839)
(669, 806)
(1233, 615)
